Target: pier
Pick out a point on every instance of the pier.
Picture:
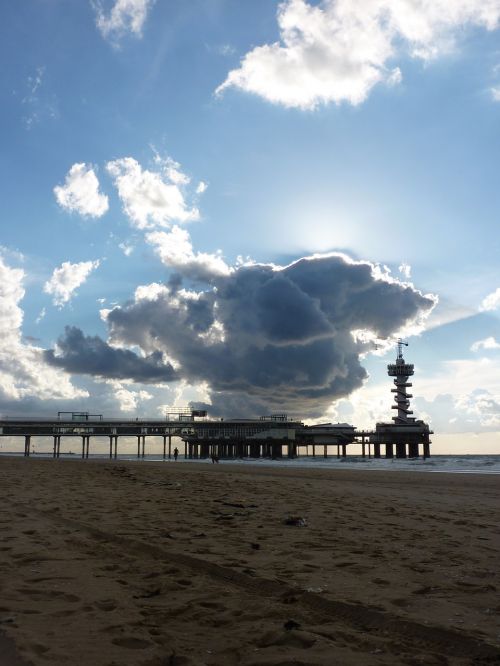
(272, 437)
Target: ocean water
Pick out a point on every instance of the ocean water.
(462, 464)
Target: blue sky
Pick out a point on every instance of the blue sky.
(204, 146)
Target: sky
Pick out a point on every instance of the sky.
(242, 205)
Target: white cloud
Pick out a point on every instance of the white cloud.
(152, 198)
(126, 248)
(176, 251)
(80, 192)
(37, 102)
(128, 398)
(23, 372)
(338, 50)
(405, 270)
(487, 343)
(495, 93)
(202, 186)
(66, 279)
(125, 17)
(490, 302)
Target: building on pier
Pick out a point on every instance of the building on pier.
(406, 434)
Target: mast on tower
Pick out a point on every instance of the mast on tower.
(401, 371)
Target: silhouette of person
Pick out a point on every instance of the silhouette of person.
(176, 453)
(215, 459)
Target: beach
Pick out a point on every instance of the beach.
(112, 562)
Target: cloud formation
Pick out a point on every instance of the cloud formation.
(87, 355)
(486, 344)
(66, 279)
(491, 302)
(175, 250)
(80, 192)
(264, 337)
(338, 50)
(152, 198)
(125, 17)
(24, 375)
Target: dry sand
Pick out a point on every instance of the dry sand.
(106, 563)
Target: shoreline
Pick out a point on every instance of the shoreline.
(476, 464)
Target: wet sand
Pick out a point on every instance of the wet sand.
(170, 564)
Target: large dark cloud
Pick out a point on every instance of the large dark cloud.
(286, 340)
(86, 355)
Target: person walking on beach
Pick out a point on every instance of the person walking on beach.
(176, 453)
(215, 459)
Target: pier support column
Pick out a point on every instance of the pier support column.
(58, 452)
(143, 445)
(376, 450)
(27, 445)
(363, 452)
(427, 450)
(413, 450)
(344, 450)
(164, 447)
(87, 447)
(401, 450)
(169, 446)
(54, 453)
(389, 451)
(325, 451)
(83, 446)
(338, 450)
(138, 446)
(116, 446)
(314, 450)
(110, 446)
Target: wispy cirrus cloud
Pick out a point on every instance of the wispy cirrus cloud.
(80, 192)
(66, 279)
(124, 17)
(338, 50)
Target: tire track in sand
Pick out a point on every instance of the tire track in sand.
(445, 641)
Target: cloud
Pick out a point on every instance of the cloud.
(495, 93)
(125, 17)
(66, 279)
(338, 50)
(490, 302)
(152, 198)
(24, 376)
(38, 104)
(86, 355)
(487, 343)
(405, 270)
(267, 337)
(176, 251)
(128, 399)
(80, 192)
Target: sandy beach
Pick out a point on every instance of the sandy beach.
(111, 563)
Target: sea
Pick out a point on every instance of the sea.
(455, 464)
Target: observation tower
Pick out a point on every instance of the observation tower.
(401, 371)
(406, 433)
